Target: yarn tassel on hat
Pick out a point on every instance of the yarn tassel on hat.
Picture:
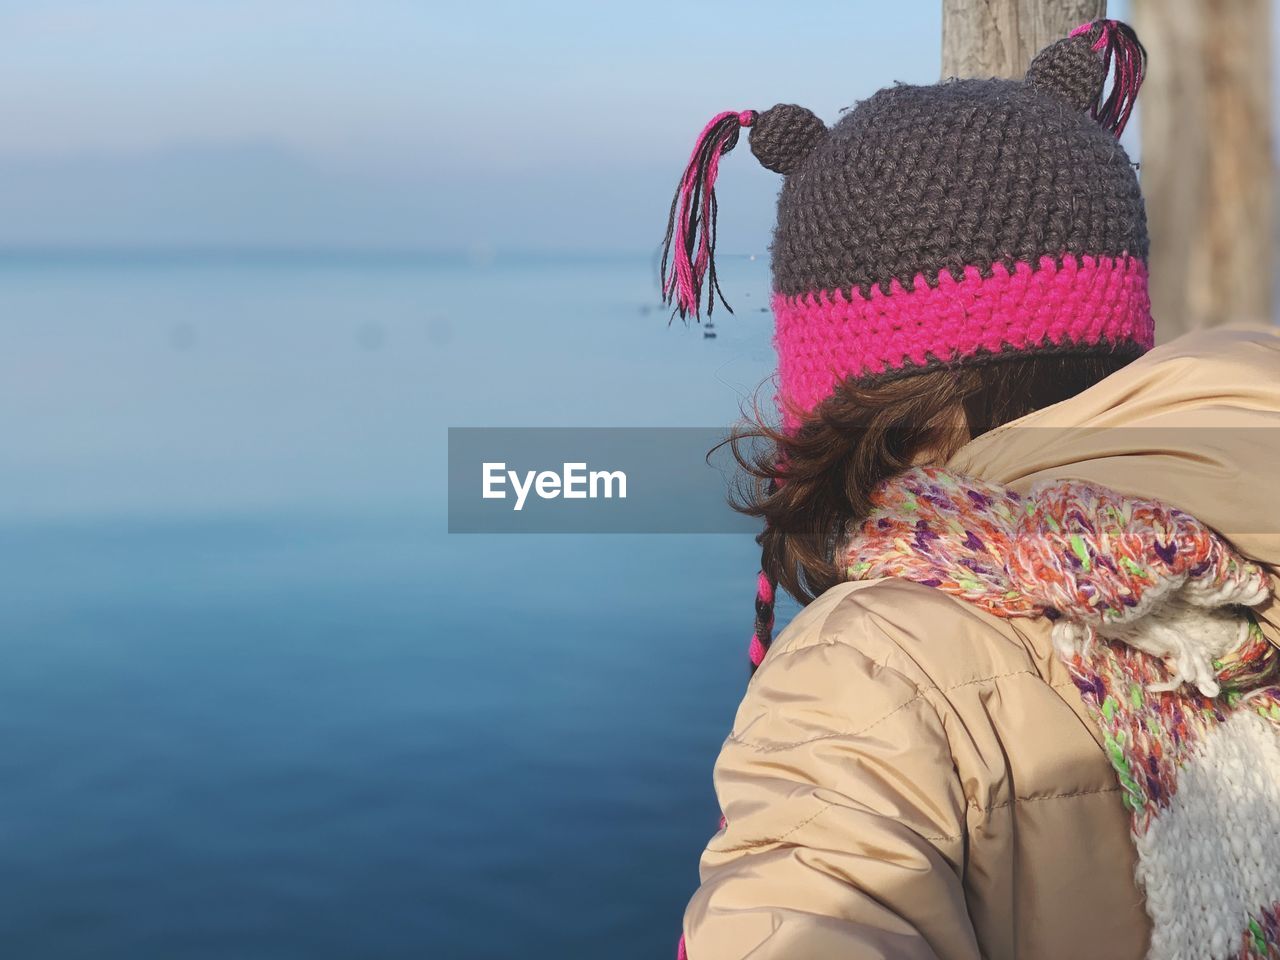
(688, 251)
(1119, 44)
(763, 634)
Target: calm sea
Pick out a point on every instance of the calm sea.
(255, 702)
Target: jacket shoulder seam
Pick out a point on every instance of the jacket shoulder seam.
(827, 805)
(921, 694)
(1071, 795)
(774, 747)
(825, 636)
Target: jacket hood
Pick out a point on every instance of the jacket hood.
(1194, 424)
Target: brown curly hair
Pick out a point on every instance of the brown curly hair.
(809, 484)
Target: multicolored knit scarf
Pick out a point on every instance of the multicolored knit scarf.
(1149, 616)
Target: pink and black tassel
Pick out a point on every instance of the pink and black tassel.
(762, 637)
(1118, 45)
(688, 251)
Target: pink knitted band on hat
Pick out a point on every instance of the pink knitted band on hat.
(823, 338)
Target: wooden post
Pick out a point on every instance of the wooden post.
(1207, 163)
(998, 38)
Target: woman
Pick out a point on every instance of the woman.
(1031, 710)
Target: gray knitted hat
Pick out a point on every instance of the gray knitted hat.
(941, 225)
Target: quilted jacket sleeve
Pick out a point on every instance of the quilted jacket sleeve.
(845, 814)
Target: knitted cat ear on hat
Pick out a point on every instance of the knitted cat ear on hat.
(1076, 69)
(784, 135)
(781, 138)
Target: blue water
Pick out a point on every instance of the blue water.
(256, 702)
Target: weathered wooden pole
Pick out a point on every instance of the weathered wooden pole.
(1207, 162)
(998, 38)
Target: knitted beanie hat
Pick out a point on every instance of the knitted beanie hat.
(940, 226)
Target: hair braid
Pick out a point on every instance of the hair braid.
(766, 596)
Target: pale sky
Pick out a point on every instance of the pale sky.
(486, 125)
(558, 125)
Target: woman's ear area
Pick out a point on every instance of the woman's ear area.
(1071, 69)
(784, 135)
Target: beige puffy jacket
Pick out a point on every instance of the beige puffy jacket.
(909, 778)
